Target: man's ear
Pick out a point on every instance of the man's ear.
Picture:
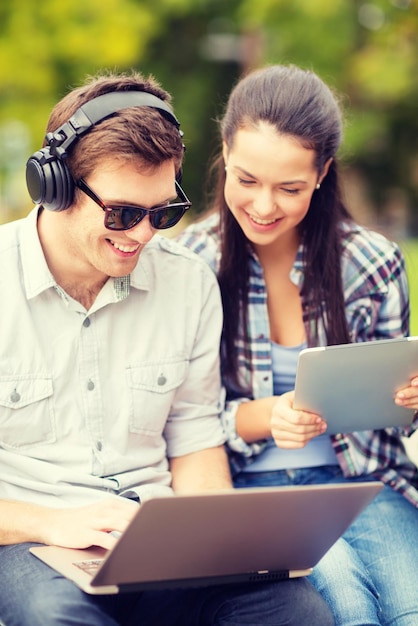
(325, 170)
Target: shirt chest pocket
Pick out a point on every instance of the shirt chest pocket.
(152, 388)
(26, 411)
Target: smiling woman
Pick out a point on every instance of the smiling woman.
(295, 270)
(270, 179)
(269, 183)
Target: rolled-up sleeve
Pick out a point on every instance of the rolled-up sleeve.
(194, 421)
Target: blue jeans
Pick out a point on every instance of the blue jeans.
(370, 576)
(32, 594)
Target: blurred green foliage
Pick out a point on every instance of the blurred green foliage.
(367, 51)
(410, 249)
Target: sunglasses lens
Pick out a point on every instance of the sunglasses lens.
(123, 218)
(166, 218)
(130, 217)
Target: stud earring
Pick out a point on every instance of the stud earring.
(318, 186)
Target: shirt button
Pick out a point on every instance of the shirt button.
(99, 445)
(15, 397)
(90, 385)
(161, 380)
(86, 322)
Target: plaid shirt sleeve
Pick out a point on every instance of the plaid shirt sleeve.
(377, 307)
(375, 287)
(202, 238)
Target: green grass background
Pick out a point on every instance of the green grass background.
(410, 250)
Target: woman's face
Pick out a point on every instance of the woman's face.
(269, 183)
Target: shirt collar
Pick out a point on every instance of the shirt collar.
(36, 274)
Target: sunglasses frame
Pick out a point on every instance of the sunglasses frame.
(141, 212)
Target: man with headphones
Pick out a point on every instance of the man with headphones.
(109, 372)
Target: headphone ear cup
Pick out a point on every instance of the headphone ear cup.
(49, 181)
(63, 187)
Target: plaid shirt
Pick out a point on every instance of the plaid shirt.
(377, 307)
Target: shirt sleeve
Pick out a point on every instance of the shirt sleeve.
(194, 422)
(375, 288)
(236, 443)
(377, 305)
(203, 239)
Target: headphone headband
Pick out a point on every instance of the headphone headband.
(98, 109)
(48, 178)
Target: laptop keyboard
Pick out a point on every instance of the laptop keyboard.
(90, 566)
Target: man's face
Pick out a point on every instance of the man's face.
(97, 251)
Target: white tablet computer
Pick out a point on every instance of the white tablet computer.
(352, 386)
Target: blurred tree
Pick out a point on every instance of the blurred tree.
(197, 56)
(367, 50)
(46, 48)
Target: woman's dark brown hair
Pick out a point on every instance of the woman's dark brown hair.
(296, 103)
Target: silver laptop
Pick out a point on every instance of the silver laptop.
(242, 535)
(352, 386)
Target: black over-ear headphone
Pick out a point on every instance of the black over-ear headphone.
(48, 178)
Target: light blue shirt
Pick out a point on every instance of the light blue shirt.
(93, 402)
(318, 451)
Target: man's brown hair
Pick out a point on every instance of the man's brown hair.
(142, 134)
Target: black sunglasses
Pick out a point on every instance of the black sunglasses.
(125, 216)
